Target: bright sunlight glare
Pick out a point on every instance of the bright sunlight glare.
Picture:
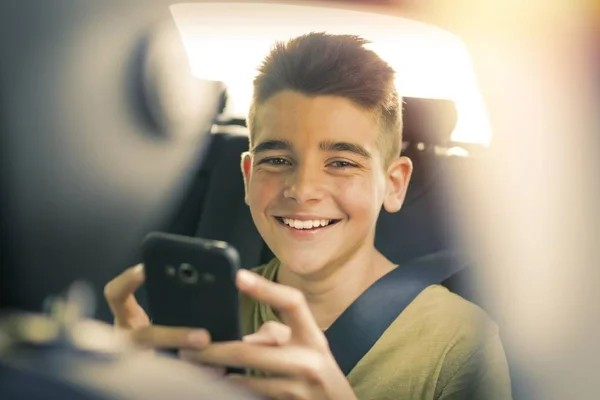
(227, 42)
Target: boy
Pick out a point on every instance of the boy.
(325, 138)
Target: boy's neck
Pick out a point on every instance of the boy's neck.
(338, 286)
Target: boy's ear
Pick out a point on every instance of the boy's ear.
(246, 170)
(398, 177)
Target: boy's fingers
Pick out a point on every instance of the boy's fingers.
(119, 296)
(164, 337)
(270, 333)
(293, 361)
(289, 301)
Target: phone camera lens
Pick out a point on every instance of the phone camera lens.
(188, 273)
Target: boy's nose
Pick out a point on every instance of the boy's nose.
(304, 185)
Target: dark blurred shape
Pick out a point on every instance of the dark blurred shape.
(178, 103)
(102, 128)
(429, 121)
(64, 355)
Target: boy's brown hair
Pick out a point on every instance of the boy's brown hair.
(320, 64)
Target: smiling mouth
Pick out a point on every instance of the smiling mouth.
(306, 225)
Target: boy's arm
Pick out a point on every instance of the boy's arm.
(483, 375)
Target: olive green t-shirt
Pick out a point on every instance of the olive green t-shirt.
(440, 347)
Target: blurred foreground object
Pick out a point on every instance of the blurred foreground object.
(102, 128)
(530, 217)
(65, 355)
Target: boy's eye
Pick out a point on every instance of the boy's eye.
(342, 164)
(276, 161)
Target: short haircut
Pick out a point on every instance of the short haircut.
(320, 64)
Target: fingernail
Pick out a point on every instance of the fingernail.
(260, 338)
(253, 338)
(246, 277)
(198, 338)
(138, 269)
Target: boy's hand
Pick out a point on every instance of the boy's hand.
(129, 315)
(295, 354)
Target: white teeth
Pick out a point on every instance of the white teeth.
(295, 223)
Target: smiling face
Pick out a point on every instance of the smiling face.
(316, 180)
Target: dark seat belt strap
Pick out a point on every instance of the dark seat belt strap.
(355, 332)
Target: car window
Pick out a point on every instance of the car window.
(223, 43)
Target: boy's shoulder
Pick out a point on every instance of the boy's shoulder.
(441, 320)
(436, 305)
(439, 317)
(432, 343)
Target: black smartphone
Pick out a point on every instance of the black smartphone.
(190, 282)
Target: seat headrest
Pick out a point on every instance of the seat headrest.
(429, 121)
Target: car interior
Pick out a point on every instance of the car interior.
(93, 157)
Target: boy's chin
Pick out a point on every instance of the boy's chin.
(305, 264)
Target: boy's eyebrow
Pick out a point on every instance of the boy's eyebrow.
(345, 146)
(274, 144)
